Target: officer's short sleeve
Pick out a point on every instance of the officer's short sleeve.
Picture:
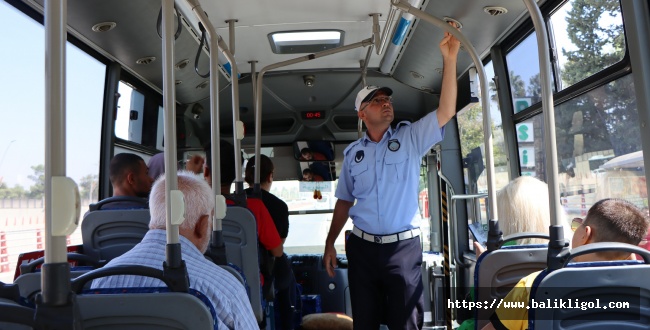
(345, 184)
(426, 132)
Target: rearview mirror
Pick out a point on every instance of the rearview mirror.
(317, 171)
(310, 151)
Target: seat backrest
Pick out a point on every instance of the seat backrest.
(158, 310)
(14, 316)
(497, 272)
(615, 282)
(108, 234)
(29, 284)
(238, 274)
(240, 237)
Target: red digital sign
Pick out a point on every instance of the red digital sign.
(313, 114)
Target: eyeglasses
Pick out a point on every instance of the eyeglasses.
(575, 223)
(382, 100)
(378, 101)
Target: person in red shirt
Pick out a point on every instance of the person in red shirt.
(309, 175)
(267, 233)
(309, 155)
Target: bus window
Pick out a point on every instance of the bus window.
(523, 70)
(599, 153)
(139, 117)
(311, 204)
(130, 109)
(600, 33)
(22, 145)
(470, 130)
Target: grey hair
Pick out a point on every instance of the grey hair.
(198, 196)
(523, 207)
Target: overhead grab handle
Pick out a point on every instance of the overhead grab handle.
(66, 206)
(198, 53)
(179, 27)
(239, 130)
(220, 208)
(234, 73)
(473, 85)
(178, 207)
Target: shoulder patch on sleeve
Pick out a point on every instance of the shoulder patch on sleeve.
(402, 123)
(349, 147)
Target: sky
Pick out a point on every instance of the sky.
(22, 105)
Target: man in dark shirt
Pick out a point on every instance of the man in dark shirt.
(285, 281)
(277, 207)
(129, 176)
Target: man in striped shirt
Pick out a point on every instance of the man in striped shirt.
(226, 293)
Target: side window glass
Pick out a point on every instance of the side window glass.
(470, 130)
(22, 142)
(598, 146)
(523, 67)
(588, 39)
(130, 109)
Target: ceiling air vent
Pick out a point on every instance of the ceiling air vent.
(145, 60)
(182, 64)
(495, 11)
(203, 85)
(416, 75)
(104, 26)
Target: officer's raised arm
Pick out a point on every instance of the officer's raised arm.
(449, 47)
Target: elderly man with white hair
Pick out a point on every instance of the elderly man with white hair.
(226, 293)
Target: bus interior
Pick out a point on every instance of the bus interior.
(277, 77)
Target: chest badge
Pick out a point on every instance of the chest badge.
(359, 156)
(393, 145)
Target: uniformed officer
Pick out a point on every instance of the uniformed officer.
(381, 172)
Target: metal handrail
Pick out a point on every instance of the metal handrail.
(557, 245)
(258, 99)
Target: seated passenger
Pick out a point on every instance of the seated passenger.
(309, 175)
(521, 207)
(285, 281)
(226, 293)
(308, 154)
(267, 233)
(157, 165)
(609, 220)
(129, 176)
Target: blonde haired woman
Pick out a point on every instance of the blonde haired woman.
(523, 206)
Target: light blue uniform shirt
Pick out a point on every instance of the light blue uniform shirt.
(384, 177)
(227, 294)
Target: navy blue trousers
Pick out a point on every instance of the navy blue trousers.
(385, 283)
